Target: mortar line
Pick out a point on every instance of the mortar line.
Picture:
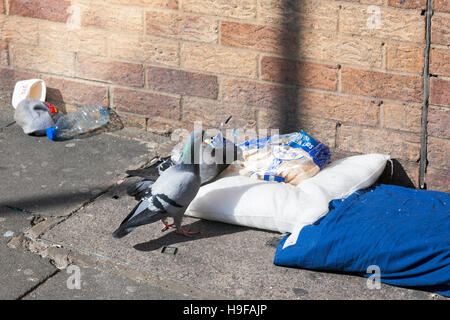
(426, 96)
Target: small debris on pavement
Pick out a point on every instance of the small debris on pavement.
(169, 250)
(8, 234)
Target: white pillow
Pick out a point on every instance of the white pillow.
(279, 206)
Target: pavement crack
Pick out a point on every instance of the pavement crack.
(22, 296)
(8, 125)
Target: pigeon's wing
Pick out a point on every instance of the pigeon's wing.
(175, 189)
(152, 172)
(140, 189)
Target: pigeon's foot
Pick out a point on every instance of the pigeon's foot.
(186, 233)
(167, 226)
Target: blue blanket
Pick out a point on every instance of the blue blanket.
(405, 232)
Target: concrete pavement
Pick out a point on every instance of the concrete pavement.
(60, 202)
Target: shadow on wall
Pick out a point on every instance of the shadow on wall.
(289, 70)
(294, 74)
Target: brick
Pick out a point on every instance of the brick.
(147, 104)
(241, 9)
(441, 5)
(212, 113)
(182, 82)
(58, 37)
(219, 60)
(437, 152)
(405, 58)
(53, 10)
(258, 37)
(53, 36)
(344, 50)
(4, 56)
(19, 30)
(382, 85)
(75, 92)
(440, 92)
(164, 4)
(303, 13)
(399, 145)
(42, 59)
(320, 129)
(133, 121)
(376, 2)
(88, 41)
(182, 27)
(9, 77)
(117, 18)
(258, 94)
(302, 44)
(144, 49)
(273, 121)
(396, 24)
(337, 107)
(439, 61)
(299, 73)
(439, 122)
(405, 117)
(408, 4)
(128, 74)
(440, 30)
(438, 179)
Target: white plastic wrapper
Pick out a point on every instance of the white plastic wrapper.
(289, 158)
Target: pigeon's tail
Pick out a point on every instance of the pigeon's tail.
(121, 232)
(139, 189)
(139, 216)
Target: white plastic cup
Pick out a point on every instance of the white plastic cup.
(29, 89)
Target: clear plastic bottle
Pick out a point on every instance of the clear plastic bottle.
(82, 121)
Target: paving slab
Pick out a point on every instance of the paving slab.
(232, 261)
(20, 271)
(55, 178)
(97, 285)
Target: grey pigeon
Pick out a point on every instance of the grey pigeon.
(171, 193)
(214, 160)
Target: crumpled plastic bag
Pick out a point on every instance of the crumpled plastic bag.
(289, 158)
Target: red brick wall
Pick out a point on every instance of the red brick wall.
(320, 65)
(438, 174)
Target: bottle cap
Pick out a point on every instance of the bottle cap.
(51, 108)
(51, 133)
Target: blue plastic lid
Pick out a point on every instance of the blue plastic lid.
(51, 133)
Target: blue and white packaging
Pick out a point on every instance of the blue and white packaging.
(289, 158)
